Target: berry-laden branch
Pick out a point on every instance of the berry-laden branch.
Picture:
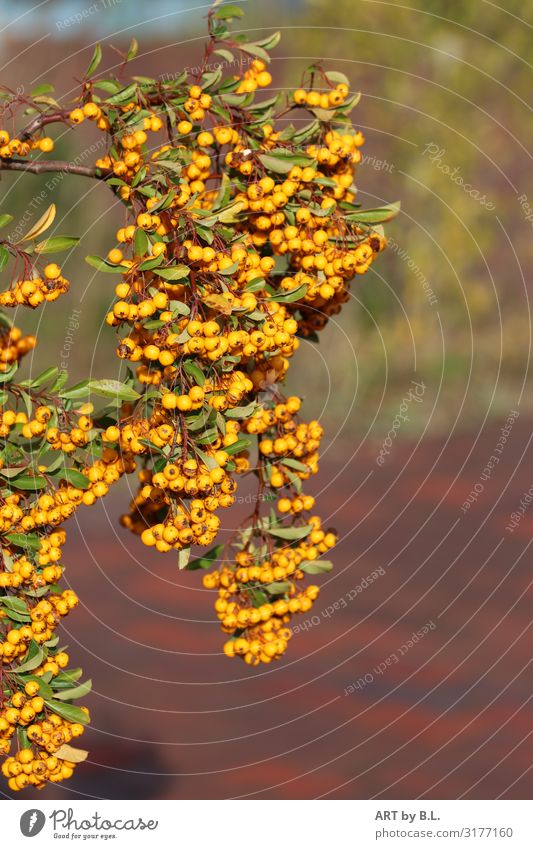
(242, 237)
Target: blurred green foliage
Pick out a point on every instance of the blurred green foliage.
(446, 93)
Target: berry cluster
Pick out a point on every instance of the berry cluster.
(241, 236)
(257, 598)
(32, 292)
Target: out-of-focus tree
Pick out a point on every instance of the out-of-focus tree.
(446, 92)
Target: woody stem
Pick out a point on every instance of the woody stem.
(50, 165)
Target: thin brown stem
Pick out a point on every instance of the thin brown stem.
(50, 165)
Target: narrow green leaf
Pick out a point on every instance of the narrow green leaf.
(95, 61)
(4, 257)
(74, 478)
(237, 447)
(44, 88)
(25, 541)
(28, 482)
(293, 295)
(103, 265)
(241, 412)
(126, 94)
(176, 272)
(79, 390)
(6, 376)
(69, 712)
(132, 50)
(225, 13)
(55, 244)
(295, 464)
(207, 560)
(75, 692)
(375, 216)
(113, 389)
(316, 567)
(294, 533)
(34, 658)
(194, 371)
(141, 244)
(278, 587)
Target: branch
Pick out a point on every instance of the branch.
(50, 165)
(42, 120)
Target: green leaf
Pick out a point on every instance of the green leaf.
(225, 13)
(75, 478)
(295, 464)
(241, 412)
(44, 88)
(113, 389)
(17, 608)
(282, 162)
(154, 324)
(25, 541)
(271, 41)
(194, 371)
(207, 560)
(316, 567)
(294, 533)
(278, 587)
(103, 265)
(206, 459)
(293, 295)
(5, 219)
(294, 480)
(6, 376)
(179, 308)
(140, 242)
(237, 447)
(95, 61)
(176, 272)
(45, 376)
(66, 679)
(149, 264)
(69, 712)
(256, 284)
(132, 50)
(28, 482)
(337, 77)
(60, 382)
(79, 390)
(22, 738)
(375, 216)
(226, 54)
(107, 85)
(4, 257)
(254, 49)
(75, 692)
(55, 244)
(124, 95)
(34, 658)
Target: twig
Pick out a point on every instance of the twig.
(50, 165)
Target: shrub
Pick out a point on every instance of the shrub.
(242, 236)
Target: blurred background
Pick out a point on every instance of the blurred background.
(423, 386)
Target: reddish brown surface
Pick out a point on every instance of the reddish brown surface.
(173, 718)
